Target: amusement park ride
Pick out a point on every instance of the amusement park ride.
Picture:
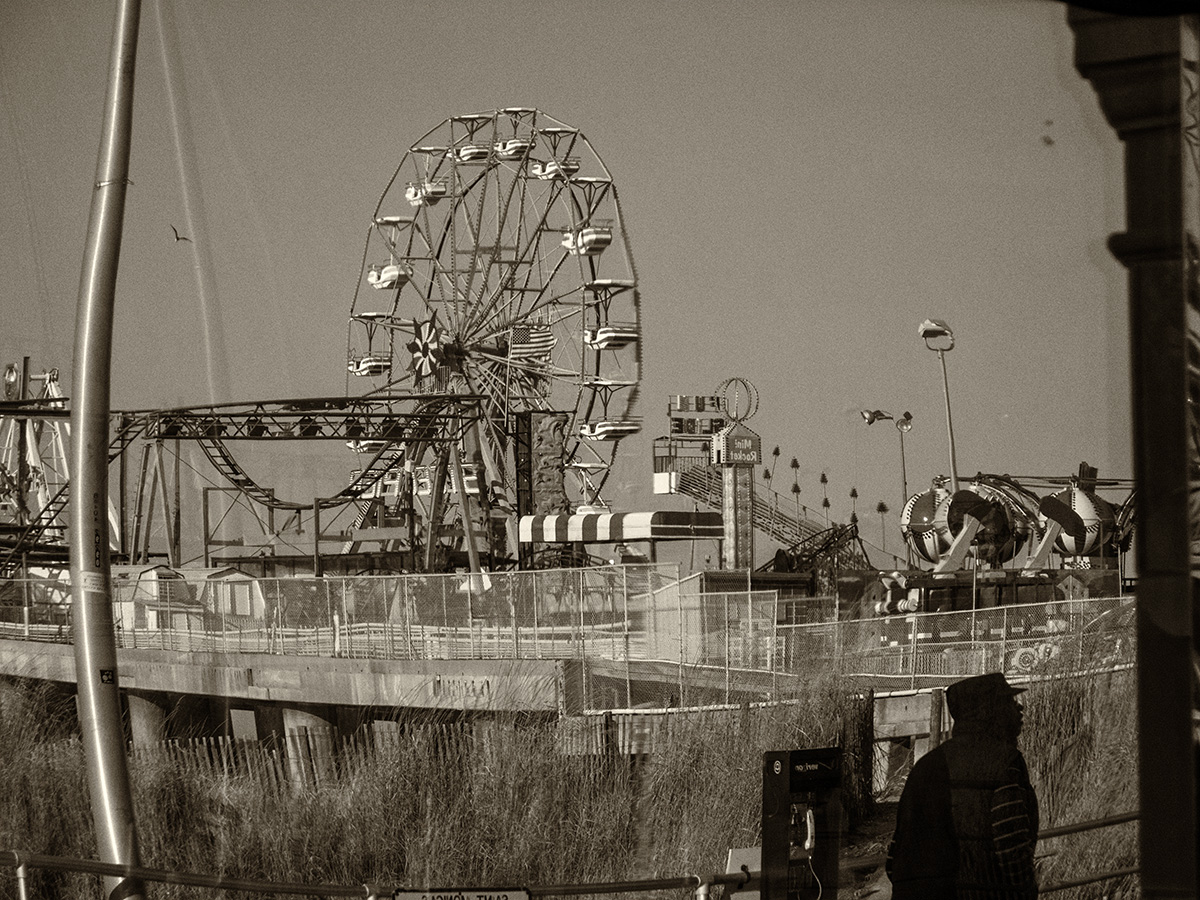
(33, 469)
(492, 369)
(493, 362)
(993, 541)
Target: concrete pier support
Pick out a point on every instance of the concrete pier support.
(194, 716)
(306, 738)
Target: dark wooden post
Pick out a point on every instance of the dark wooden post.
(1145, 74)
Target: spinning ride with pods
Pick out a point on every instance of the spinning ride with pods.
(497, 284)
(33, 468)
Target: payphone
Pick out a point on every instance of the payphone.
(801, 824)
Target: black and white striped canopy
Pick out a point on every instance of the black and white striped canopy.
(608, 528)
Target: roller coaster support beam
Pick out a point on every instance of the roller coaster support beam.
(99, 701)
(435, 508)
(335, 418)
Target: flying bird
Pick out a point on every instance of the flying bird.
(178, 236)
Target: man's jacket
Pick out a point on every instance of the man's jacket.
(966, 825)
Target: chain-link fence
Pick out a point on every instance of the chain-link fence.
(622, 613)
(761, 631)
(554, 613)
(1018, 640)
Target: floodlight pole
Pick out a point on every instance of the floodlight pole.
(903, 425)
(99, 701)
(939, 338)
(949, 423)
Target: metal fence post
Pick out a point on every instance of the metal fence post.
(445, 618)
(610, 591)
(774, 643)
(748, 632)
(470, 585)
(725, 596)
(625, 628)
(1003, 638)
(679, 605)
(335, 620)
(406, 601)
(912, 642)
(511, 582)
(537, 634)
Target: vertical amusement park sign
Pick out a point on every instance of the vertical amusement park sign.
(738, 450)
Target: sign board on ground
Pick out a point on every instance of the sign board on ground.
(463, 894)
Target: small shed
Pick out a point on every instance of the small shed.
(227, 591)
(154, 597)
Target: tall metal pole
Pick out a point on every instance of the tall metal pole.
(949, 424)
(904, 493)
(99, 700)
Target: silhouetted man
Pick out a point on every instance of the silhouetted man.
(967, 822)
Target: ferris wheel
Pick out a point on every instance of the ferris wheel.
(497, 268)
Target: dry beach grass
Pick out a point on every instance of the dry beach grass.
(438, 804)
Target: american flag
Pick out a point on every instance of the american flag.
(531, 340)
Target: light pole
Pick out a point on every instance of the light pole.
(903, 427)
(939, 338)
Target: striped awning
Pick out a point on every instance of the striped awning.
(608, 528)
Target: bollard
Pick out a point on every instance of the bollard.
(936, 728)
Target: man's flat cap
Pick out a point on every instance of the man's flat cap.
(979, 692)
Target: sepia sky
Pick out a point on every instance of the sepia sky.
(802, 182)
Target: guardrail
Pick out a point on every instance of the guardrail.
(873, 862)
(21, 861)
(746, 880)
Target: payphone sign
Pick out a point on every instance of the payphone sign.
(463, 894)
(816, 769)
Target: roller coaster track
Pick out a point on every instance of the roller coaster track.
(705, 484)
(385, 461)
(30, 540)
(338, 418)
(333, 418)
(364, 420)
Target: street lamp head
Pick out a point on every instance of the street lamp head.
(871, 416)
(11, 377)
(904, 423)
(936, 334)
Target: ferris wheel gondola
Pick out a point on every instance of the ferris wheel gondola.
(510, 279)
